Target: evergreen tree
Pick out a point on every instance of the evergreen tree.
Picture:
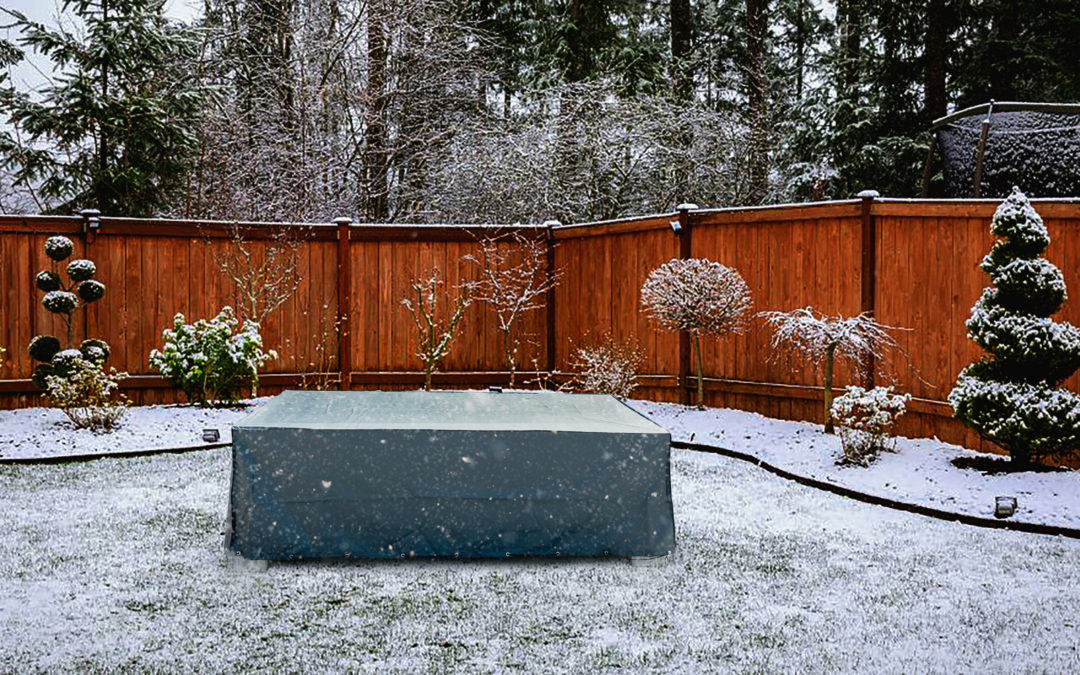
(1013, 397)
(116, 128)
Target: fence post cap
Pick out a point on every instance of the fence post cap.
(552, 223)
(868, 194)
(343, 220)
(89, 213)
(686, 206)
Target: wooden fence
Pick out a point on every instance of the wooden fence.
(913, 263)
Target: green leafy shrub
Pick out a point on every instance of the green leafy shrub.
(211, 361)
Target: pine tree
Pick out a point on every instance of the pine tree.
(116, 128)
(1013, 397)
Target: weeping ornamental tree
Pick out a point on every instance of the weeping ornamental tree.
(1013, 396)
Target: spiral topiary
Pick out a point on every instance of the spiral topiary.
(1012, 397)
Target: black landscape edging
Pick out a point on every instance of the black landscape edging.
(967, 519)
(91, 456)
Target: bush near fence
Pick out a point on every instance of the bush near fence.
(913, 263)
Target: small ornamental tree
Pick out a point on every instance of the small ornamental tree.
(700, 297)
(436, 327)
(824, 339)
(71, 375)
(514, 280)
(1012, 397)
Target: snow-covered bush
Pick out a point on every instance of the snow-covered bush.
(85, 392)
(211, 361)
(1012, 397)
(700, 297)
(866, 419)
(607, 368)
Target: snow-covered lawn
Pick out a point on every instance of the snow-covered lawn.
(919, 472)
(45, 432)
(117, 564)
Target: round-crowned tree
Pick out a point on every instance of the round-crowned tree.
(1013, 396)
(698, 296)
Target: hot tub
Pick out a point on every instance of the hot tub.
(448, 474)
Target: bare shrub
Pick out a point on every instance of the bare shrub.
(436, 322)
(514, 280)
(823, 339)
(700, 297)
(264, 279)
(609, 367)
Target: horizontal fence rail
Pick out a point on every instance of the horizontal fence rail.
(912, 263)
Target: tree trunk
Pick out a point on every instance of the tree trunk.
(1002, 51)
(800, 47)
(700, 374)
(376, 188)
(830, 363)
(757, 85)
(935, 60)
(681, 74)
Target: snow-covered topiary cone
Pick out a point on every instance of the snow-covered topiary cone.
(1012, 396)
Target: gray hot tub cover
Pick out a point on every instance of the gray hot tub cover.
(448, 474)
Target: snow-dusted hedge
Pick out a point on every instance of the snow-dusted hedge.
(211, 361)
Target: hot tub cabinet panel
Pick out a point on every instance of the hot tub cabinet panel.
(449, 474)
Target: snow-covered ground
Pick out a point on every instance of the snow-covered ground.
(117, 565)
(46, 432)
(919, 472)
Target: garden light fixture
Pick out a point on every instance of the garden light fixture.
(211, 435)
(1004, 506)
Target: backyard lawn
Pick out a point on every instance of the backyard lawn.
(119, 564)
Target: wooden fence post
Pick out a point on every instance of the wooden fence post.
(550, 308)
(869, 271)
(344, 294)
(683, 232)
(980, 154)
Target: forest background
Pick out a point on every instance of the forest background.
(458, 111)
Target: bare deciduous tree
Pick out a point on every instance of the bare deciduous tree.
(514, 280)
(823, 339)
(265, 279)
(435, 330)
(699, 296)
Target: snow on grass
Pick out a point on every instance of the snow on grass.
(118, 564)
(46, 432)
(919, 472)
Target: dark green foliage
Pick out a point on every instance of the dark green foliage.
(116, 127)
(91, 291)
(60, 302)
(81, 270)
(58, 248)
(97, 351)
(43, 348)
(1012, 396)
(47, 281)
(38, 377)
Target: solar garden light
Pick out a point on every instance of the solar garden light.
(211, 435)
(1004, 506)
(495, 390)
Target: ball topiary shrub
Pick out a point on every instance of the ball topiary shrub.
(71, 375)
